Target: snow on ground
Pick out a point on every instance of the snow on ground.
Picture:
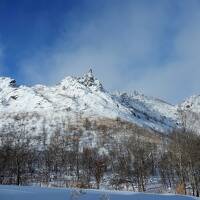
(38, 193)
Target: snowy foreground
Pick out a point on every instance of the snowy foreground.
(37, 193)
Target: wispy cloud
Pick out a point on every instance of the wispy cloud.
(152, 47)
(178, 78)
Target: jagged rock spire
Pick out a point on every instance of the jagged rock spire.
(89, 80)
(90, 73)
(89, 76)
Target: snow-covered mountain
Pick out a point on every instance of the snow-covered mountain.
(86, 97)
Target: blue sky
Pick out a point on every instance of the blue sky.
(147, 45)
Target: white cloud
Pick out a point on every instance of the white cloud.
(118, 37)
(124, 44)
(179, 78)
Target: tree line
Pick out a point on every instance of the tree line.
(126, 159)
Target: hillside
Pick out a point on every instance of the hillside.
(85, 97)
(78, 134)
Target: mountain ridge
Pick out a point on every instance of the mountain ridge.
(86, 96)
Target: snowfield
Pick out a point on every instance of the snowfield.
(37, 193)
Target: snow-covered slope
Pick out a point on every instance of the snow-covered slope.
(37, 193)
(81, 97)
(191, 114)
(192, 104)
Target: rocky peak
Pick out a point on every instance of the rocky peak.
(7, 82)
(192, 103)
(89, 80)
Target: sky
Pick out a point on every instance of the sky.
(151, 46)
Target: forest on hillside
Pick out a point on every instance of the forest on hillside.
(117, 156)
